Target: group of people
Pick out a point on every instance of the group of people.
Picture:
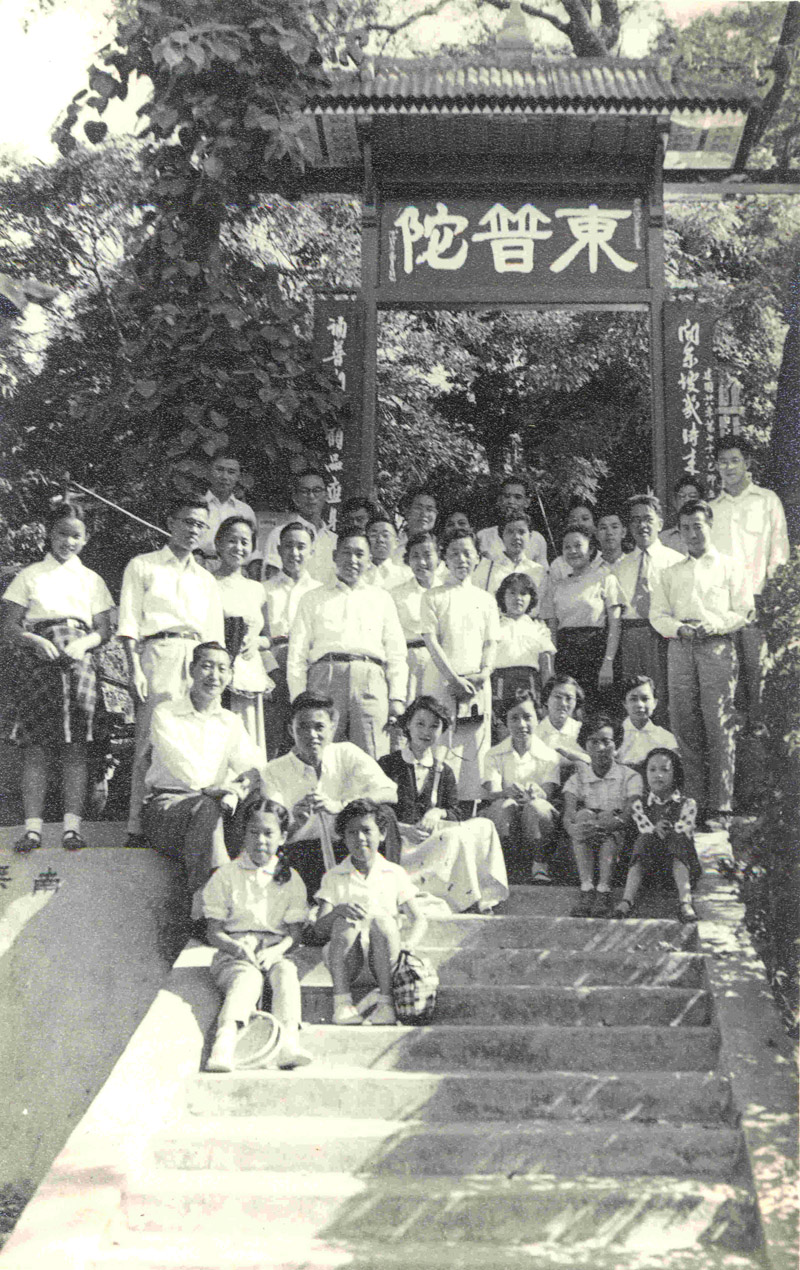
(384, 720)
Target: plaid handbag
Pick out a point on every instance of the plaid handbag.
(414, 985)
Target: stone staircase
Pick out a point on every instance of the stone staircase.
(564, 1110)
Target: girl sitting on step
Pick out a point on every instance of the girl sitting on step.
(665, 820)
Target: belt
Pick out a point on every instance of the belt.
(635, 622)
(74, 623)
(415, 643)
(280, 639)
(171, 635)
(349, 657)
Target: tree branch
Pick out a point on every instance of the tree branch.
(532, 12)
(392, 28)
(762, 113)
(585, 40)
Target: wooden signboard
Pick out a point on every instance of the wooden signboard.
(338, 346)
(691, 381)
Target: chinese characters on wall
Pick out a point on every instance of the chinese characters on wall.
(337, 347)
(461, 244)
(691, 377)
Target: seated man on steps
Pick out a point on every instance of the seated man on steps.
(202, 765)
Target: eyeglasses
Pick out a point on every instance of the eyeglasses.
(191, 523)
(311, 489)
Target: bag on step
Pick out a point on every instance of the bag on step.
(414, 985)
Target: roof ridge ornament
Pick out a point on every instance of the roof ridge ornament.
(514, 46)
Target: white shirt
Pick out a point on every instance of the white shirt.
(381, 892)
(638, 742)
(549, 733)
(219, 511)
(463, 618)
(283, 594)
(494, 570)
(582, 599)
(711, 589)
(342, 619)
(604, 793)
(162, 593)
(319, 561)
(626, 571)
(50, 589)
(490, 544)
(388, 574)
(197, 749)
(539, 765)
(244, 896)
(408, 602)
(522, 641)
(751, 527)
(559, 569)
(346, 772)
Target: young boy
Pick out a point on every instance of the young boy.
(521, 775)
(360, 903)
(283, 592)
(610, 533)
(639, 734)
(597, 800)
(514, 558)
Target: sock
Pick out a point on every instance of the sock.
(586, 886)
(33, 824)
(603, 889)
(72, 823)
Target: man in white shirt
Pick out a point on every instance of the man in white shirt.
(226, 472)
(310, 501)
(642, 651)
(513, 496)
(168, 604)
(385, 571)
(515, 541)
(687, 489)
(698, 605)
(750, 525)
(202, 765)
(284, 592)
(347, 643)
(315, 780)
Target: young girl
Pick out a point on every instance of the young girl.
(666, 821)
(521, 777)
(243, 606)
(360, 904)
(524, 650)
(422, 557)
(461, 863)
(460, 626)
(56, 613)
(255, 907)
(639, 734)
(597, 802)
(583, 611)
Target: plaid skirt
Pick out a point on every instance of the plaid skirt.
(54, 702)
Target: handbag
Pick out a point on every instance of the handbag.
(414, 985)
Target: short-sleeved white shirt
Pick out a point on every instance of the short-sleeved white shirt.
(539, 765)
(463, 618)
(381, 892)
(245, 896)
(638, 742)
(550, 734)
(50, 589)
(604, 793)
(522, 641)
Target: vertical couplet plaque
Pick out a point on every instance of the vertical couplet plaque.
(338, 337)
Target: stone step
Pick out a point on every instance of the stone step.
(559, 1006)
(379, 1147)
(676, 1097)
(584, 1213)
(566, 966)
(135, 1250)
(480, 1047)
(556, 901)
(584, 934)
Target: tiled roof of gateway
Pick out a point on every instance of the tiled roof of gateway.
(534, 83)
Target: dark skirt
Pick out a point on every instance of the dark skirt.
(656, 856)
(55, 702)
(506, 683)
(579, 652)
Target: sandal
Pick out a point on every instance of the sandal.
(687, 914)
(623, 909)
(72, 841)
(29, 841)
(540, 876)
(347, 1016)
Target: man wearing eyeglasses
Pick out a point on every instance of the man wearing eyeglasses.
(168, 604)
(642, 650)
(310, 500)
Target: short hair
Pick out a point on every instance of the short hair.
(594, 723)
(415, 492)
(355, 810)
(733, 441)
(350, 531)
(63, 509)
(423, 535)
(455, 535)
(525, 584)
(580, 500)
(351, 505)
(609, 510)
(312, 701)
(515, 478)
(521, 695)
(588, 534)
(688, 478)
(380, 518)
(637, 681)
(694, 506)
(308, 471)
(564, 681)
(209, 646)
(425, 703)
(228, 524)
(512, 520)
(225, 454)
(185, 502)
(269, 807)
(645, 500)
(678, 772)
(296, 524)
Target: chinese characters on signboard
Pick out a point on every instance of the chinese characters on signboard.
(430, 246)
(337, 348)
(691, 389)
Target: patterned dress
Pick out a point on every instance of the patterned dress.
(655, 854)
